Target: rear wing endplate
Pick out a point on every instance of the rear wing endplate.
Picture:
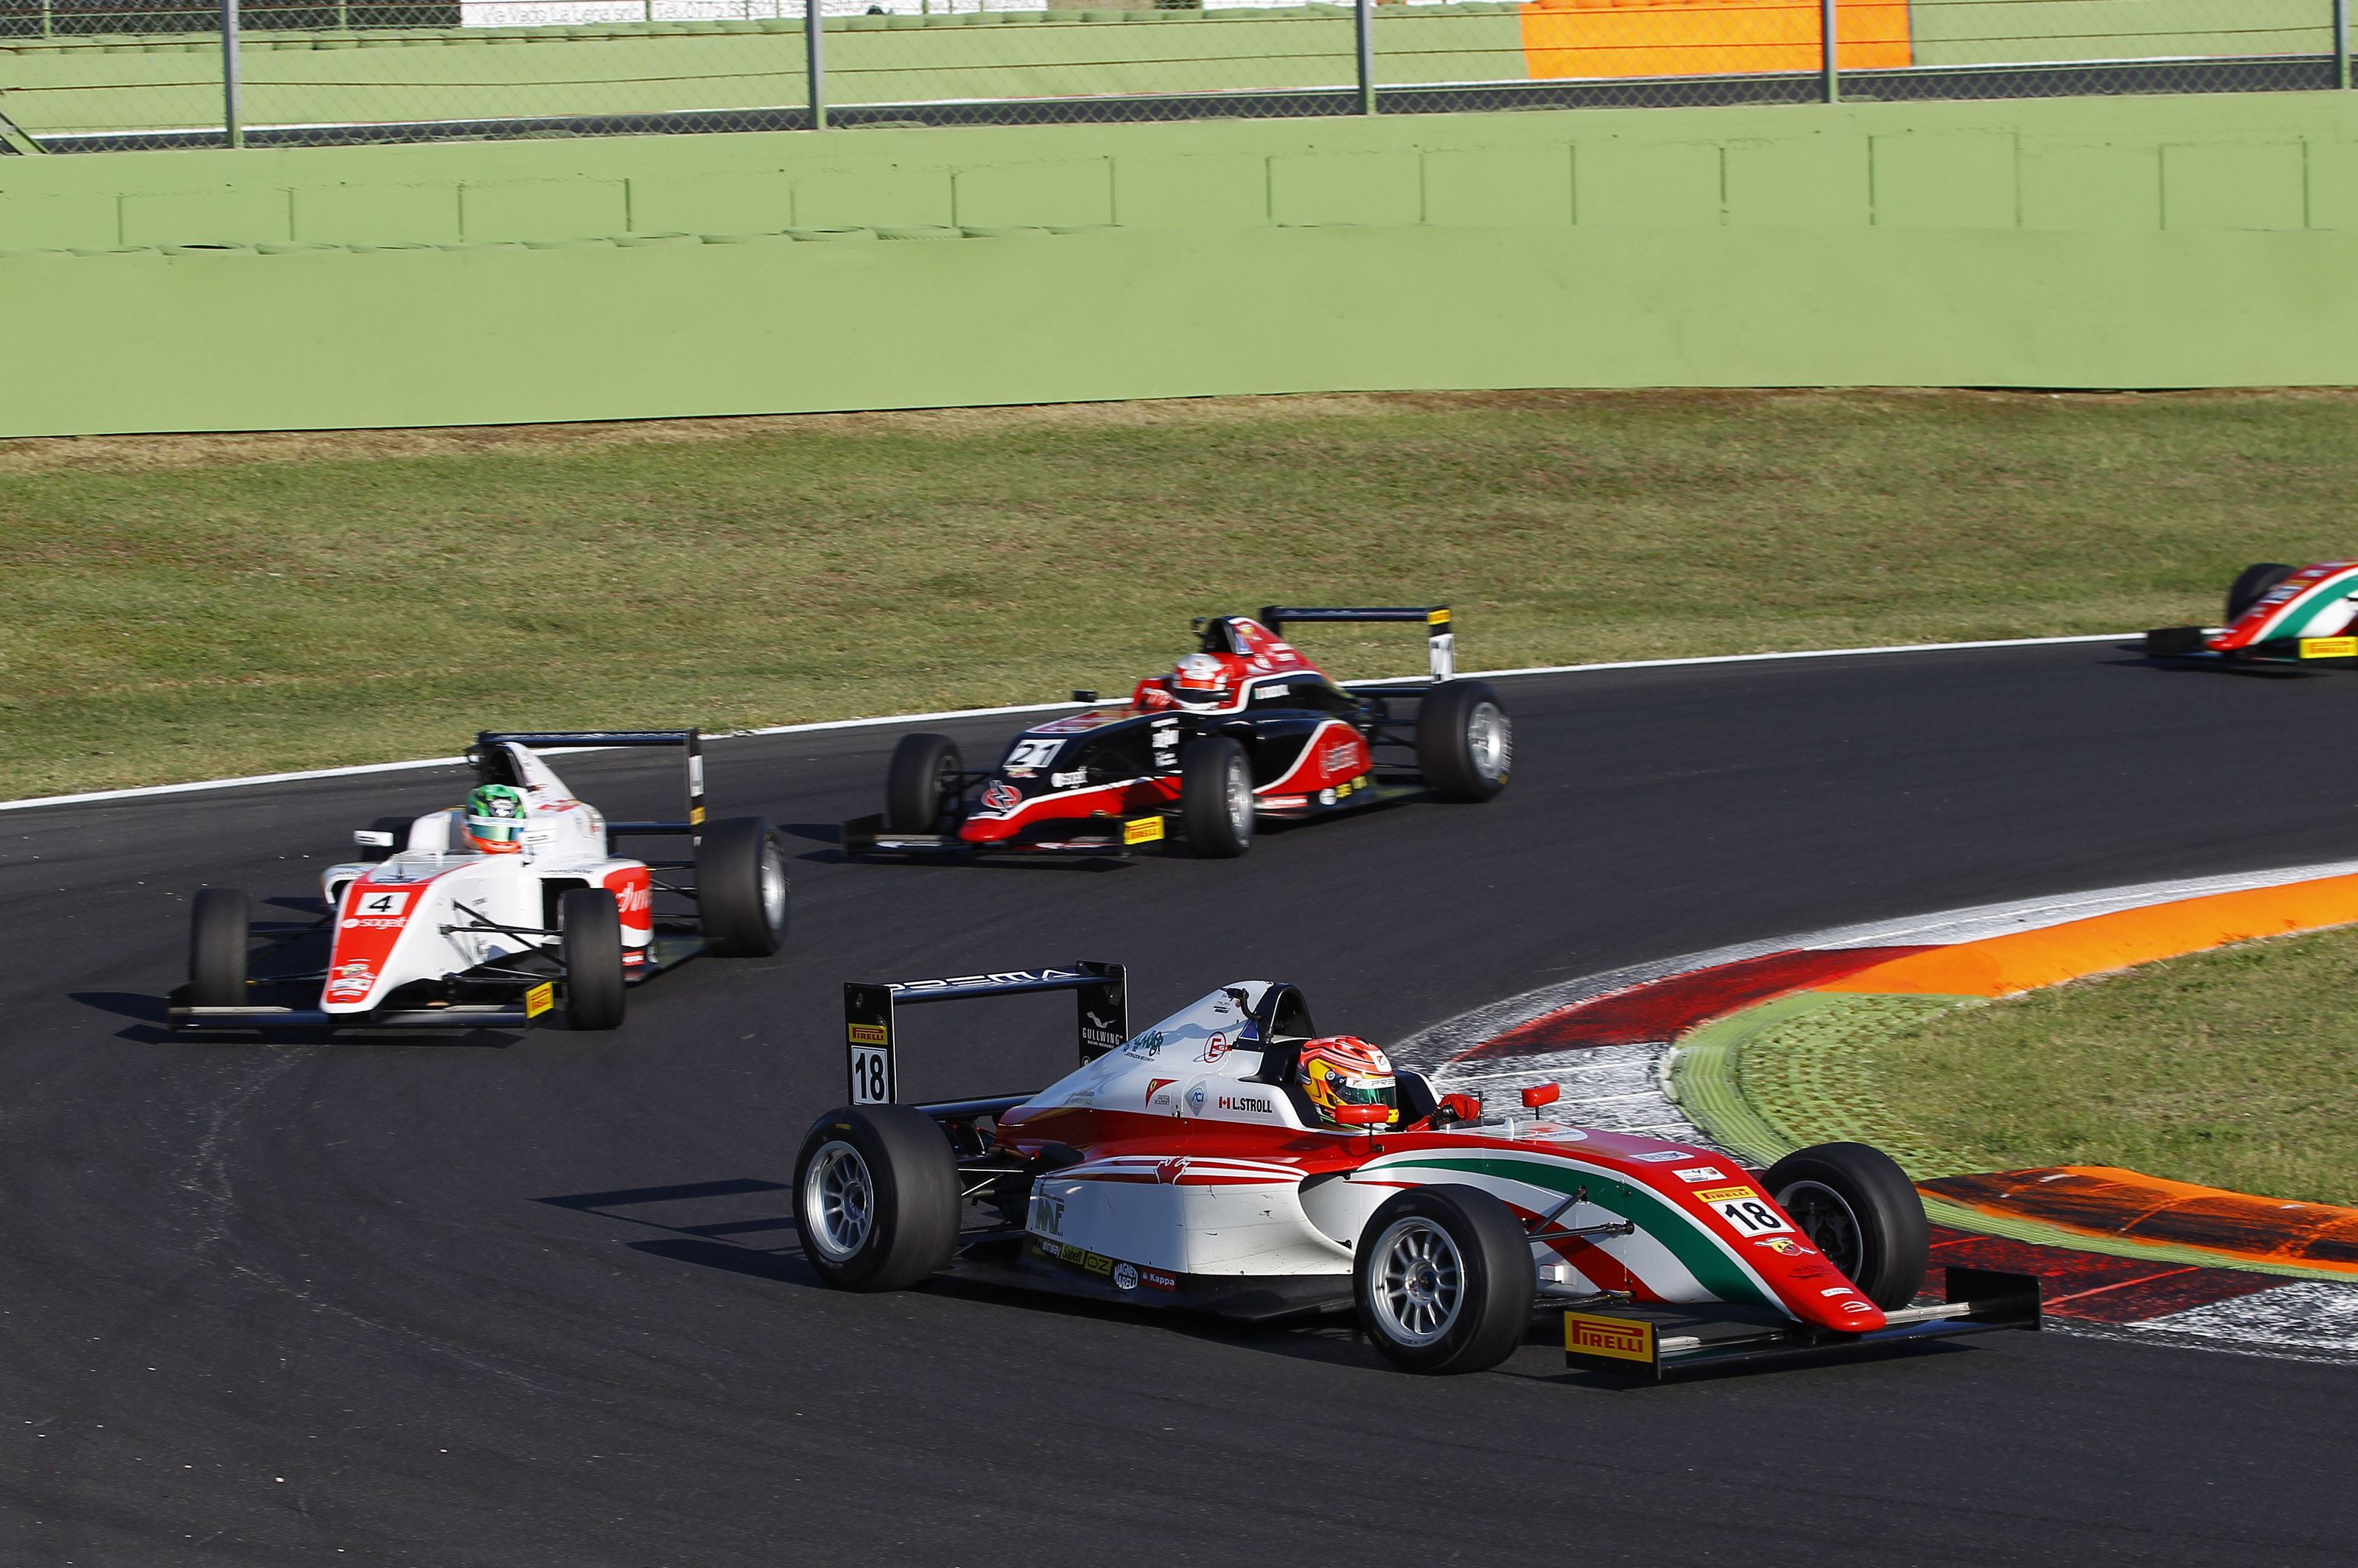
(1441, 640)
(870, 1032)
(690, 741)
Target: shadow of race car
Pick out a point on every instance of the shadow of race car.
(2275, 615)
(1196, 1165)
(493, 914)
(1246, 729)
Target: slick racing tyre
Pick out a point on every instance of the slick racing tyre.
(1858, 1207)
(1464, 743)
(876, 1197)
(2250, 583)
(920, 783)
(1443, 1280)
(590, 941)
(219, 926)
(741, 888)
(1216, 797)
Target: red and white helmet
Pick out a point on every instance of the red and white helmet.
(1343, 1069)
(1202, 678)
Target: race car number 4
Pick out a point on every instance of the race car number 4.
(1751, 1216)
(379, 905)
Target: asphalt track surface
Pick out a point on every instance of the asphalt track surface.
(311, 1303)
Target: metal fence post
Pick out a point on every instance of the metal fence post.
(1829, 47)
(232, 105)
(815, 61)
(2342, 44)
(1363, 24)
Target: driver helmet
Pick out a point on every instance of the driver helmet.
(1343, 1069)
(496, 819)
(1203, 678)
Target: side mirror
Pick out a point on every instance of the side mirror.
(1364, 1114)
(1462, 1108)
(1539, 1095)
(1080, 695)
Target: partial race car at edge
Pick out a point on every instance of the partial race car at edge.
(1231, 1161)
(2275, 615)
(497, 913)
(1244, 730)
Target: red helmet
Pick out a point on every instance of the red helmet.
(1206, 677)
(1343, 1069)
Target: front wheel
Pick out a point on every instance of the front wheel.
(1216, 797)
(219, 929)
(921, 780)
(1443, 1280)
(876, 1197)
(2250, 584)
(589, 942)
(1465, 742)
(1858, 1207)
(741, 888)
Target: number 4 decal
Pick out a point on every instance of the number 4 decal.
(1751, 1216)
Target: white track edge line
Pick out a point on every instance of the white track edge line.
(356, 770)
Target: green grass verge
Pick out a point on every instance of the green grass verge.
(2234, 1069)
(192, 608)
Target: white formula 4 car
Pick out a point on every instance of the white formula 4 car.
(496, 913)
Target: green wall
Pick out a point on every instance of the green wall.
(2157, 241)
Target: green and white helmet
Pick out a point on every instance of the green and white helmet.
(496, 815)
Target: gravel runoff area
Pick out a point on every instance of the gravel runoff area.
(200, 606)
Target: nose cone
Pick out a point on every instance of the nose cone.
(1831, 1301)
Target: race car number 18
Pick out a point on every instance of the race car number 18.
(1751, 1216)
(872, 1076)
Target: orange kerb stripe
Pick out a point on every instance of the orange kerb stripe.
(2105, 1200)
(2025, 960)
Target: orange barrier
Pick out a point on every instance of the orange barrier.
(2105, 1200)
(1706, 38)
(2026, 960)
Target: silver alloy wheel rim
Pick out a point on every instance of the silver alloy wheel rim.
(838, 1202)
(1419, 1281)
(773, 887)
(1240, 799)
(1826, 1217)
(1490, 741)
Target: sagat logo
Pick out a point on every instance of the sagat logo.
(376, 908)
(1253, 1103)
(1148, 1046)
(1214, 1048)
(1002, 797)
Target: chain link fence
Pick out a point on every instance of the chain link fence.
(86, 74)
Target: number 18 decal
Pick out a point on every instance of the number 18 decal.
(872, 1076)
(1752, 1215)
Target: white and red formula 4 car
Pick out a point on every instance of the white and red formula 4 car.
(467, 921)
(1185, 1167)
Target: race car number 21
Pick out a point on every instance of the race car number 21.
(1751, 1216)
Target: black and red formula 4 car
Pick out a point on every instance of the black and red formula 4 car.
(1244, 728)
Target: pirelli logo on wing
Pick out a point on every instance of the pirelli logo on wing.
(1141, 830)
(1615, 1338)
(1725, 1195)
(2329, 647)
(867, 1034)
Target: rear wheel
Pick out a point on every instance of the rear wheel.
(921, 781)
(1443, 1280)
(219, 929)
(2250, 584)
(741, 888)
(1464, 743)
(1858, 1207)
(1216, 797)
(876, 1197)
(590, 941)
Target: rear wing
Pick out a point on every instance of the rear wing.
(1441, 640)
(485, 762)
(870, 1032)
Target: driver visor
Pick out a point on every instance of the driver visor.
(495, 829)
